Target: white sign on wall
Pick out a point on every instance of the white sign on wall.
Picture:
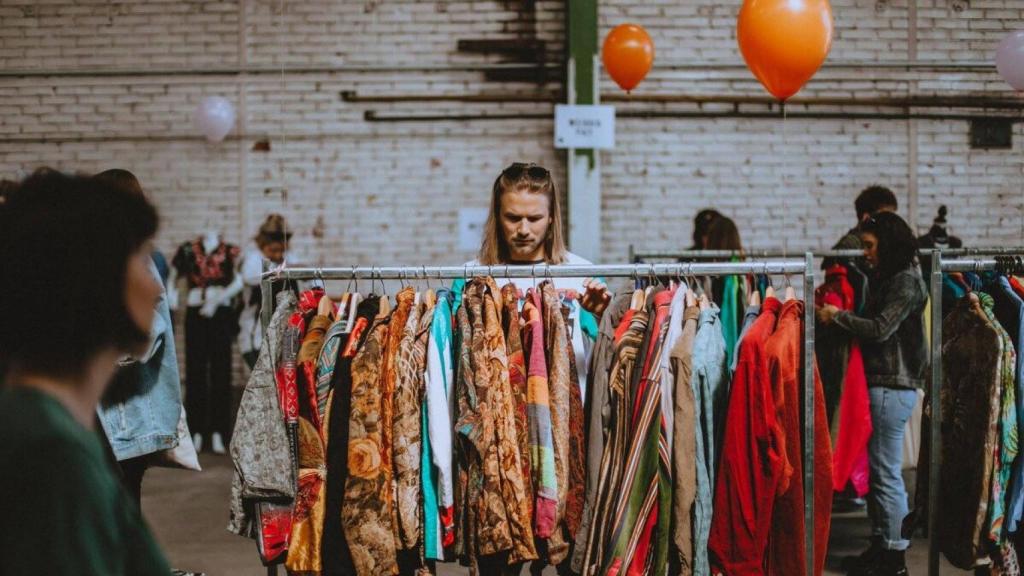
(471, 228)
(584, 126)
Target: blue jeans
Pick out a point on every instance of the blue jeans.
(887, 500)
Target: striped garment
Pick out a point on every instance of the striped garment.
(628, 338)
(639, 543)
(542, 452)
(559, 392)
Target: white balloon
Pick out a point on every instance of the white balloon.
(214, 117)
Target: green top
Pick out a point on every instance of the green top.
(64, 510)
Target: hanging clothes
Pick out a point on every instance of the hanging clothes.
(366, 512)
(731, 297)
(439, 524)
(275, 525)
(260, 451)
(336, 556)
(544, 481)
(561, 384)
(1009, 311)
(628, 339)
(832, 343)
(668, 379)
(597, 418)
(744, 496)
(971, 355)
(406, 439)
(491, 487)
(1006, 448)
(308, 510)
(517, 380)
(783, 349)
(753, 311)
(845, 385)
(684, 449)
(710, 386)
(642, 511)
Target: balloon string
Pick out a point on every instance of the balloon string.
(284, 136)
(785, 166)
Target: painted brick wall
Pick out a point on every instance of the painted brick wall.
(387, 192)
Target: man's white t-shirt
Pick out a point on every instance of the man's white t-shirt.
(525, 284)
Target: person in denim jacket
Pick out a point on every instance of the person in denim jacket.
(892, 336)
(146, 420)
(140, 411)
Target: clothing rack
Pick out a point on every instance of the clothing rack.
(639, 257)
(805, 267)
(935, 389)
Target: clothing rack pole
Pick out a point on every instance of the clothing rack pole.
(809, 389)
(539, 271)
(266, 312)
(935, 435)
(778, 253)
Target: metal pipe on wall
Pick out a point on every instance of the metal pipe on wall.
(55, 72)
(376, 116)
(909, 101)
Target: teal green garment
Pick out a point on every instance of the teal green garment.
(588, 322)
(430, 515)
(732, 315)
(64, 510)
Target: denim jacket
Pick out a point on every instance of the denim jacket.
(891, 331)
(148, 421)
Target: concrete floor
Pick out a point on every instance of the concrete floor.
(188, 513)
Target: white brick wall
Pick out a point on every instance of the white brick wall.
(363, 192)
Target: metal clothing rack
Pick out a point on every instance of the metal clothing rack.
(780, 253)
(804, 267)
(935, 388)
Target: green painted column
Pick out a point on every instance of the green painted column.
(584, 166)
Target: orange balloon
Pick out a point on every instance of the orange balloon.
(627, 55)
(784, 42)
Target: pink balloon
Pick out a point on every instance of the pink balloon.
(1010, 59)
(214, 117)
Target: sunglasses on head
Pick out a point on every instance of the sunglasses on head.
(533, 171)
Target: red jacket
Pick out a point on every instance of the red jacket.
(753, 460)
(854, 414)
(786, 555)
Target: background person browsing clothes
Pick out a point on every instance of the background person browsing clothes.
(892, 336)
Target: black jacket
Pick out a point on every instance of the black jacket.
(892, 331)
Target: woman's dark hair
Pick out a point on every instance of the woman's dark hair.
(273, 229)
(723, 235)
(65, 244)
(897, 246)
(121, 178)
(701, 223)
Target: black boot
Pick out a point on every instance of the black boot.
(890, 563)
(869, 557)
